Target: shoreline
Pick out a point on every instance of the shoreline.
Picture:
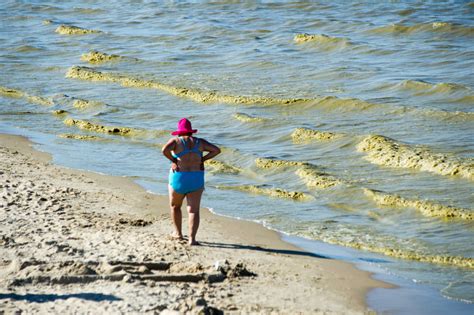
(317, 284)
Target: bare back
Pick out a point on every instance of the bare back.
(190, 161)
(193, 159)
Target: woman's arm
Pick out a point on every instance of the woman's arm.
(211, 149)
(166, 150)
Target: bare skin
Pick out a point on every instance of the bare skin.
(187, 163)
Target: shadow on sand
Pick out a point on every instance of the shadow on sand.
(43, 298)
(262, 249)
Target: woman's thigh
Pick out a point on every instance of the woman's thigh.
(176, 199)
(194, 200)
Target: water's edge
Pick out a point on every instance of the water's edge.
(406, 297)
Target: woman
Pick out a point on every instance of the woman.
(186, 177)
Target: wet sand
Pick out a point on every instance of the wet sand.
(75, 241)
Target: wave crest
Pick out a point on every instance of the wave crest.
(322, 40)
(373, 243)
(271, 192)
(74, 30)
(221, 167)
(388, 152)
(85, 73)
(97, 57)
(440, 27)
(81, 137)
(273, 163)
(301, 135)
(427, 208)
(84, 104)
(317, 179)
(249, 119)
(35, 99)
(442, 87)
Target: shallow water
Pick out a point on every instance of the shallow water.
(401, 71)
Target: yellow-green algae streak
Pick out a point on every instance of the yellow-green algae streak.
(388, 152)
(84, 104)
(442, 27)
(272, 192)
(81, 137)
(322, 39)
(427, 208)
(8, 92)
(122, 131)
(316, 179)
(60, 112)
(85, 73)
(86, 125)
(458, 261)
(306, 171)
(273, 163)
(301, 135)
(221, 167)
(74, 30)
(97, 57)
(442, 87)
(248, 119)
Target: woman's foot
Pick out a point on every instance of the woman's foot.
(193, 242)
(177, 236)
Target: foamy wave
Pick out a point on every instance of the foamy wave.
(331, 103)
(8, 92)
(322, 40)
(345, 104)
(247, 118)
(60, 112)
(84, 104)
(308, 172)
(81, 137)
(272, 192)
(97, 57)
(440, 27)
(361, 238)
(86, 125)
(388, 152)
(375, 247)
(85, 73)
(317, 179)
(74, 30)
(221, 167)
(122, 131)
(272, 163)
(427, 208)
(432, 88)
(301, 135)
(448, 115)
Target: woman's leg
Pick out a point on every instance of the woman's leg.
(194, 203)
(176, 200)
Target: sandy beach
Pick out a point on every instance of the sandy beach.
(74, 241)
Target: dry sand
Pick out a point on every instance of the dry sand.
(74, 241)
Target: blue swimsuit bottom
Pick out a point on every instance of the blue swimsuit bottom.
(186, 182)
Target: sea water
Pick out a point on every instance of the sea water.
(349, 123)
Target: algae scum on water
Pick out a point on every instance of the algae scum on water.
(350, 123)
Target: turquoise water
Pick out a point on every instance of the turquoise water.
(399, 70)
